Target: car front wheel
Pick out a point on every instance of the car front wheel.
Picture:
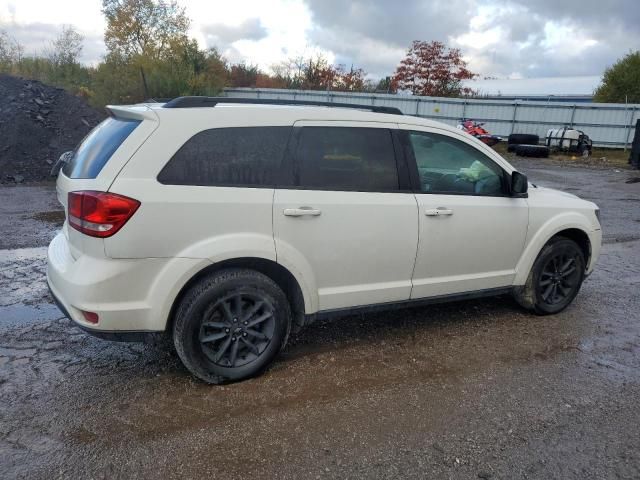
(230, 325)
(555, 279)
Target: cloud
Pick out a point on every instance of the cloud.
(518, 38)
(222, 36)
(542, 38)
(503, 38)
(36, 38)
(375, 34)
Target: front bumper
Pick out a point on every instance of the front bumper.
(595, 239)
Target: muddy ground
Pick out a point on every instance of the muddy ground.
(478, 389)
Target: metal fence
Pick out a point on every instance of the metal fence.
(608, 124)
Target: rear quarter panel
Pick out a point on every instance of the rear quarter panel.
(185, 220)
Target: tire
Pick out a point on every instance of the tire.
(539, 294)
(523, 139)
(231, 325)
(511, 147)
(539, 151)
(584, 151)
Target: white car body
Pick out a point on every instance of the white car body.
(362, 249)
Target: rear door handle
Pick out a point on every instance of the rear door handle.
(437, 212)
(301, 212)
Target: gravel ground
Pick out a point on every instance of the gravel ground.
(477, 389)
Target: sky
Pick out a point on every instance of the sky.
(506, 39)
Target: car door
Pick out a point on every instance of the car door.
(472, 231)
(349, 225)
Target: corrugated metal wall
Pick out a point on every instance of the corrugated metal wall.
(608, 124)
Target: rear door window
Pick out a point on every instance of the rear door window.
(347, 158)
(234, 156)
(98, 146)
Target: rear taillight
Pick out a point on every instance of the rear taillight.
(99, 214)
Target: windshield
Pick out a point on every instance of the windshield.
(98, 146)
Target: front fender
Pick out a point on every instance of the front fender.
(539, 238)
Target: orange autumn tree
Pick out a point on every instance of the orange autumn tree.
(432, 69)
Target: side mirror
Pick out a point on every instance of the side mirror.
(519, 184)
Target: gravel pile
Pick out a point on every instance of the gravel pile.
(38, 122)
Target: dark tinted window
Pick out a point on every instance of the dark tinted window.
(346, 158)
(247, 156)
(447, 165)
(97, 147)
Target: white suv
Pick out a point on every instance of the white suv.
(228, 222)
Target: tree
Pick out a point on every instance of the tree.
(432, 69)
(243, 75)
(385, 86)
(10, 51)
(144, 27)
(66, 49)
(351, 81)
(621, 82)
(316, 73)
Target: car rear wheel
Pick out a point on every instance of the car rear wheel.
(555, 279)
(231, 325)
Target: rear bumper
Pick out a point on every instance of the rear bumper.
(132, 297)
(115, 336)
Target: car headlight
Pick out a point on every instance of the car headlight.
(598, 214)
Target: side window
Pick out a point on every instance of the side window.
(347, 158)
(246, 156)
(447, 165)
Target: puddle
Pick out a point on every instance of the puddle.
(23, 277)
(19, 315)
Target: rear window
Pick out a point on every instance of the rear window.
(98, 146)
(234, 156)
(347, 158)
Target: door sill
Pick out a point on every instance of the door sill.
(417, 302)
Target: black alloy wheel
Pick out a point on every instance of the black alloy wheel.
(237, 329)
(231, 325)
(559, 278)
(555, 278)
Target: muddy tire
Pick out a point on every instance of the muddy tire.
(523, 139)
(231, 325)
(555, 278)
(539, 151)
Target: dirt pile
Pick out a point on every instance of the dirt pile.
(38, 122)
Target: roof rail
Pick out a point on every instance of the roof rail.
(191, 102)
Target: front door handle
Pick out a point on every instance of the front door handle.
(437, 212)
(301, 212)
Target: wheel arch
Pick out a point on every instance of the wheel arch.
(276, 272)
(581, 238)
(574, 231)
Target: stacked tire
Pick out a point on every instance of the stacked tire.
(526, 145)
